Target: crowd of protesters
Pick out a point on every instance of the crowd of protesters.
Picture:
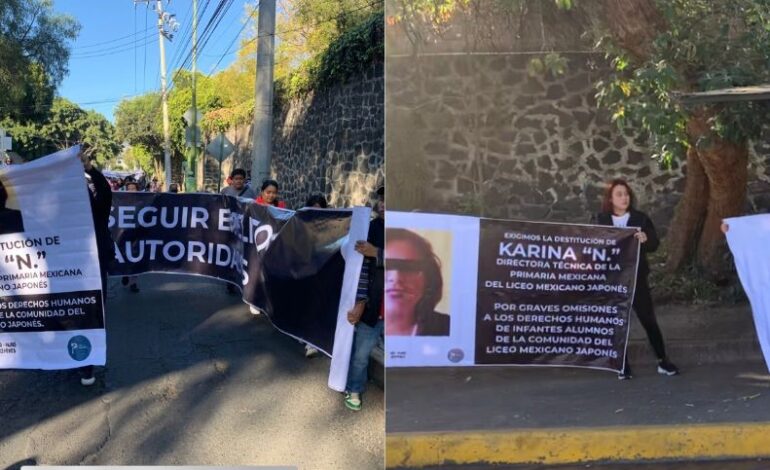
(367, 314)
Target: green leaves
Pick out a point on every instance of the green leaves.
(350, 53)
(552, 63)
(34, 51)
(65, 125)
(707, 46)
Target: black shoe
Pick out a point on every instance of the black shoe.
(124, 280)
(134, 288)
(667, 368)
(625, 374)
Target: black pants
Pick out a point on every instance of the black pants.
(88, 371)
(646, 315)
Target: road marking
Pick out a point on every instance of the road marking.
(574, 445)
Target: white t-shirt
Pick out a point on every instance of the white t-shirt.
(621, 221)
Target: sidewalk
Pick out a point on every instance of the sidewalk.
(718, 408)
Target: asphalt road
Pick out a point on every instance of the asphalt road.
(499, 398)
(192, 378)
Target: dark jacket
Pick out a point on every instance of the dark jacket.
(376, 272)
(101, 203)
(10, 221)
(637, 219)
(433, 324)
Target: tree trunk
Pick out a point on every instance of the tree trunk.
(726, 165)
(717, 172)
(717, 175)
(689, 214)
(634, 24)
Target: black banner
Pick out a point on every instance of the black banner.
(58, 311)
(552, 294)
(288, 264)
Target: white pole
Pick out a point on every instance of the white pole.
(261, 150)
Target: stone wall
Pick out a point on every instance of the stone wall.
(475, 133)
(330, 142)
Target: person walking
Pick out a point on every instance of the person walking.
(100, 197)
(130, 281)
(269, 195)
(237, 185)
(367, 314)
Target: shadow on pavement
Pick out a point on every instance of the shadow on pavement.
(192, 378)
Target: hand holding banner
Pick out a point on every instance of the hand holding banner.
(748, 238)
(51, 310)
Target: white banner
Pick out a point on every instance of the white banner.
(749, 238)
(465, 291)
(51, 311)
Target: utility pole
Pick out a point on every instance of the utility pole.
(262, 145)
(164, 18)
(5, 145)
(193, 163)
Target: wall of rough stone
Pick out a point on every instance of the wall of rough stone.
(330, 142)
(476, 133)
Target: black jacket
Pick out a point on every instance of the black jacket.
(433, 324)
(637, 219)
(376, 289)
(10, 221)
(101, 203)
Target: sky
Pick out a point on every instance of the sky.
(117, 54)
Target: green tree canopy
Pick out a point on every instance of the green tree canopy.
(703, 46)
(138, 121)
(66, 125)
(34, 53)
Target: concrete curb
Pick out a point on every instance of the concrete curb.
(577, 445)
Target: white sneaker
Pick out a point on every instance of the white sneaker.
(310, 351)
(254, 310)
(87, 382)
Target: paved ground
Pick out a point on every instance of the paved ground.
(719, 406)
(723, 379)
(192, 379)
(492, 398)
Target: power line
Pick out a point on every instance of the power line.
(183, 38)
(238, 35)
(134, 49)
(101, 43)
(113, 50)
(144, 71)
(278, 33)
(112, 47)
(187, 58)
(84, 103)
(216, 25)
(229, 26)
(207, 31)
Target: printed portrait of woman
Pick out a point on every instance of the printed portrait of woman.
(413, 286)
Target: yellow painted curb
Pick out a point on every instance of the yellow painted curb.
(572, 445)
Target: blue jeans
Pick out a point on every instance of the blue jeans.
(365, 339)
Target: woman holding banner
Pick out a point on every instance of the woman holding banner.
(100, 196)
(618, 210)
